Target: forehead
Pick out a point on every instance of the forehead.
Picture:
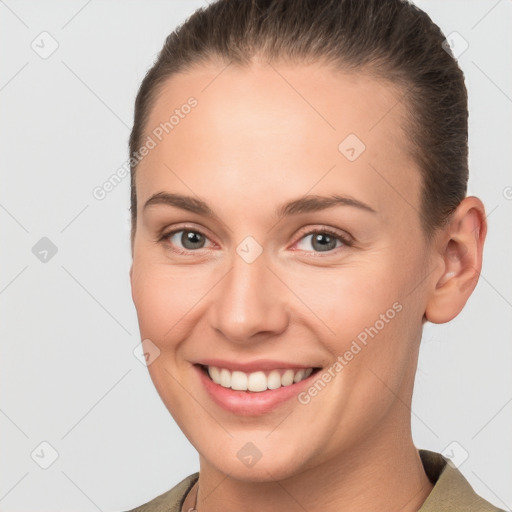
(280, 129)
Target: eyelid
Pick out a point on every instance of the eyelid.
(164, 234)
(346, 239)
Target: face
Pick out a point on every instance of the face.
(233, 278)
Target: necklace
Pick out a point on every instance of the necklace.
(195, 500)
(194, 490)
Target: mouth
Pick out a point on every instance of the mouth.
(252, 387)
(257, 381)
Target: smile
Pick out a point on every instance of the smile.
(252, 388)
(257, 381)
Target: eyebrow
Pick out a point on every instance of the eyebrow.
(305, 204)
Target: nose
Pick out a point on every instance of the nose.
(250, 303)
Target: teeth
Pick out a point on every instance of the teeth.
(257, 381)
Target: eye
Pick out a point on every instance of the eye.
(184, 241)
(187, 240)
(323, 240)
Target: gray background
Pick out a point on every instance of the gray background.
(68, 374)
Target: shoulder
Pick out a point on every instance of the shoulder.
(170, 501)
(451, 489)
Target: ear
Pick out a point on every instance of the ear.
(459, 250)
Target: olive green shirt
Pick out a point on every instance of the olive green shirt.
(451, 492)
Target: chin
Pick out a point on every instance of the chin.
(246, 462)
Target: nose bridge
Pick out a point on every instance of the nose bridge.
(247, 299)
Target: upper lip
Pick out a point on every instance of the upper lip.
(252, 366)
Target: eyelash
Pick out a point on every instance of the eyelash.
(346, 241)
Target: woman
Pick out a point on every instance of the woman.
(299, 211)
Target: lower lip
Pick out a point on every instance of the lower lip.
(249, 403)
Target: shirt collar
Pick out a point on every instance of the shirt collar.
(451, 492)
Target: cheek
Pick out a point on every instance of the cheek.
(157, 300)
(350, 298)
(366, 315)
(169, 299)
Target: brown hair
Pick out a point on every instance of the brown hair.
(389, 39)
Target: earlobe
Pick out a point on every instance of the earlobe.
(460, 251)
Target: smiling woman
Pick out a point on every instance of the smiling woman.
(291, 234)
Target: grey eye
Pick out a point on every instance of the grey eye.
(188, 239)
(321, 242)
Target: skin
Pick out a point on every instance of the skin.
(261, 136)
